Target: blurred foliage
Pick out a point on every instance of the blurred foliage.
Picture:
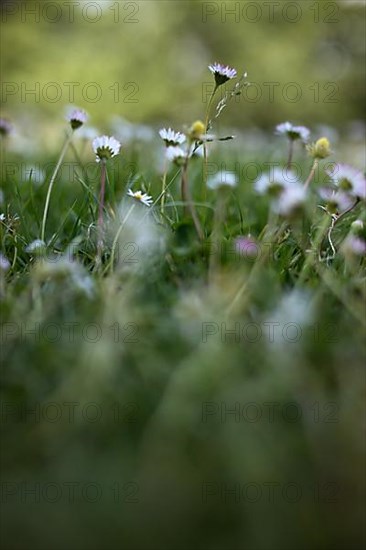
(149, 59)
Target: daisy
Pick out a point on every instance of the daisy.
(293, 132)
(275, 182)
(222, 73)
(105, 147)
(222, 179)
(349, 179)
(176, 154)
(77, 117)
(247, 246)
(171, 138)
(354, 245)
(4, 263)
(5, 127)
(141, 197)
(290, 200)
(337, 201)
(35, 246)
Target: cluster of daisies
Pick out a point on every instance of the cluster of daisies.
(286, 194)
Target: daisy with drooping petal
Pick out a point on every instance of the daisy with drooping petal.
(349, 180)
(171, 138)
(141, 197)
(284, 189)
(105, 148)
(222, 179)
(293, 132)
(77, 117)
(176, 154)
(222, 73)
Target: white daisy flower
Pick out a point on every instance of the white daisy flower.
(349, 179)
(171, 138)
(106, 147)
(176, 154)
(222, 179)
(2, 217)
(76, 117)
(141, 197)
(337, 201)
(291, 198)
(354, 245)
(293, 132)
(35, 246)
(5, 127)
(275, 181)
(4, 262)
(222, 73)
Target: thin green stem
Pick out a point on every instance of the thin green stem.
(312, 173)
(52, 181)
(115, 240)
(207, 119)
(313, 254)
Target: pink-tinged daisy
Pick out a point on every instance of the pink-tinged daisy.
(141, 197)
(349, 180)
(336, 201)
(247, 246)
(171, 138)
(354, 245)
(293, 132)
(222, 73)
(105, 147)
(4, 263)
(5, 127)
(77, 117)
(290, 200)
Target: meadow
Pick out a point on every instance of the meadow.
(183, 327)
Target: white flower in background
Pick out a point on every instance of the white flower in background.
(128, 132)
(222, 179)
(76, 117)
(2, 217)
(293, 132)
(88, 133)
(175, 154)
(35, 174)
(357, 226)
(275, 181)
(354, 245)
(291, 198)
(4, 263)
(105, 147)
(5, 127)
(222, 73)
(171, 138)
(349, 180)
(35, 246)
(141, 197)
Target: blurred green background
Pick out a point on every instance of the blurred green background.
(149, 59)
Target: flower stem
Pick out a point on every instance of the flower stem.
(163, 189)
(311, 258)
(207, 118)
(52, 181)
(115, 240)
(312, 173)
(187, 200)
(290, 153)
(101, 208)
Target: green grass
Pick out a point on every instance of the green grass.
(164, 373)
